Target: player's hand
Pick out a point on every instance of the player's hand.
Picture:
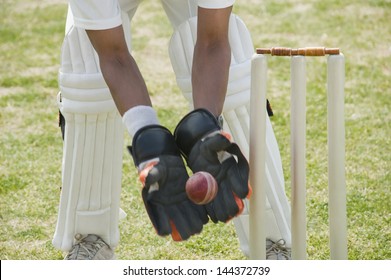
(163, 175)
(207, 148)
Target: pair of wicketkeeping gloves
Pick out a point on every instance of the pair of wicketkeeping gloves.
(200, 140)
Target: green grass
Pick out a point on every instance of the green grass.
(31, 34)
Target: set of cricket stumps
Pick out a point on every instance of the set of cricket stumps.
(202, 188)
(336, 150)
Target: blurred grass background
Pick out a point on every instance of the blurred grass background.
(31, 34)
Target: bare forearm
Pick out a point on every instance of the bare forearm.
(119, 69)
(212, 59)
(210, 76)
(126, 83)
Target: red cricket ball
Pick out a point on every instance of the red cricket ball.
(201, 188)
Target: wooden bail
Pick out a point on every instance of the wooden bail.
(310, 51)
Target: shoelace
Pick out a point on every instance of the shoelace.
(85, 248)
(278, 248)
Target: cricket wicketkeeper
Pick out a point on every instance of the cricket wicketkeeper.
(102, 93)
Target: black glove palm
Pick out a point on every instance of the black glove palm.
(164, 176)
(207, 148)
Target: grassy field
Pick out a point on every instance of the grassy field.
(31, 34)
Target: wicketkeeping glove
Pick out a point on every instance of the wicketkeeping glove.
(163, 174)
(207, 148)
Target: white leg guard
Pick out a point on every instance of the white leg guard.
(236, 116)
(93, 146)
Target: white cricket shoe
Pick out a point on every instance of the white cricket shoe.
(277, 250)
(90, 247)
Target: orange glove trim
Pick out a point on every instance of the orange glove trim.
(174, 232)
(226, 135)
(144, 173)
